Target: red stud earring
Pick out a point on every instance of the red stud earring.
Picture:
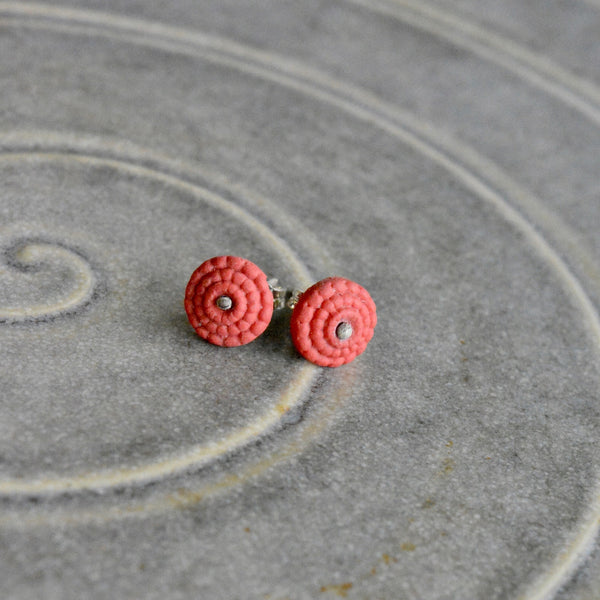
(333, 321)
(228, 301)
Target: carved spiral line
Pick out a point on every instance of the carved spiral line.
(32, 255)
(478, 174)
(198, 455)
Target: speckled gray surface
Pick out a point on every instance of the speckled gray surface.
(444, 155)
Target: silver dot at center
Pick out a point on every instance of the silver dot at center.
(344, 330)
(224, 302)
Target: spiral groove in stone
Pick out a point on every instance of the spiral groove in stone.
(320, 311)
(251, 301)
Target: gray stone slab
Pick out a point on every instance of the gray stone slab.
(444, 156)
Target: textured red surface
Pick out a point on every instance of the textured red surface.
(318, 313)
(247, 287)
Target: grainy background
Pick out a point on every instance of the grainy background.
(445, 155)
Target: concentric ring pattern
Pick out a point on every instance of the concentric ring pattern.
(321, 310)
(245, 285)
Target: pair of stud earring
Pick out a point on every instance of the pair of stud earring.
(229, 301)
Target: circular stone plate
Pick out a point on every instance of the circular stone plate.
(444, 158)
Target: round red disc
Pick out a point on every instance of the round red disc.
(228, 301)
(333, 322)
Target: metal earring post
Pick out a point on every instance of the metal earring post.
(282, 297)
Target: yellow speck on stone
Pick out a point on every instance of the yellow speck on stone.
(408, 547)
(340, 590)
(184, 498)
(448, 465)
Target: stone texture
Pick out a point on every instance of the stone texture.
(444, 156)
